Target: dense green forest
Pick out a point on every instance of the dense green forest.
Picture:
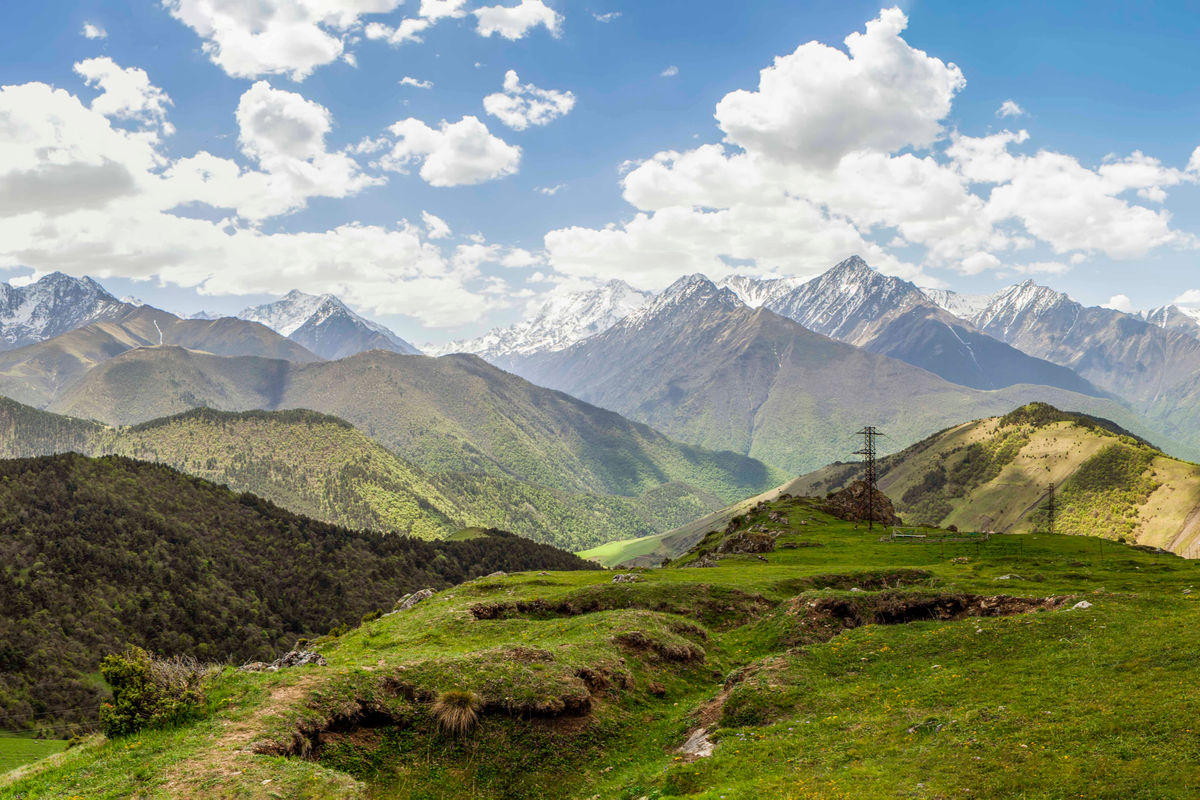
(97, 553)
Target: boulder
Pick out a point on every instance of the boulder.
(851, 504)
(748, 542)
(497, 574)
(628, 577)
(293, 658)
(410, 600)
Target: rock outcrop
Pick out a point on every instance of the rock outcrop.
(852, 504)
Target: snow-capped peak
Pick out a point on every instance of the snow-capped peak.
(1025, 298)
(325, 325)
(287, 314)
(841, 301)
(554, 322)
(964, 306)
(758, 292)
(54, 304)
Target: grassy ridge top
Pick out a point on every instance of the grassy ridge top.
(836, 666)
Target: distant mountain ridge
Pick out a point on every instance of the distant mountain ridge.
(52, 305)
(703, 367)
(556, 322)
(325, 325)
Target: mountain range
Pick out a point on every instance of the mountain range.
(325, 325)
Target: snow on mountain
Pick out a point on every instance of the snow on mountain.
(843, 301)
(685, 297)
(325, 325)
(1018, 304)
(1172, 317)
(54, 304)
(963, 306)
(555, 322)
(758, 292)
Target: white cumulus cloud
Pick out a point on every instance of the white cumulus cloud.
(514, 22)
(669, 72)
(454, 154)
(1119, 302)
(416, 83)
(94, 31)
(274, 37)
(523, 104)
(125, 93)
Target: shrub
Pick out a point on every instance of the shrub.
(150, 692)
(457, 711)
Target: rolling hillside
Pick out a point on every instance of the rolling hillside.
(451, 414)
(994, 474)
(832, 665)
(98, 553)
(321, 466)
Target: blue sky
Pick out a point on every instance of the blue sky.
(1095, 83)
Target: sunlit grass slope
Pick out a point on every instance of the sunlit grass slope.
(836, 666)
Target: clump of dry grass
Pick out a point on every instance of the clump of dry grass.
(457, 711)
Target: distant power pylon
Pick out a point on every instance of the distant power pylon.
(869, 434)
(1050, 508)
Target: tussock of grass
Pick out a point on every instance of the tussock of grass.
(457, 711)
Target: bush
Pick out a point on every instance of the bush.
(150, 692)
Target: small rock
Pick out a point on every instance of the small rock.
(1081, 605)
(410, 600)
(543, 573)
(497, 574)
(1187, 591)
(697, 745)
(1008, 578)
(300, 658)
(254, 666)
(855, 589)
(628, 577)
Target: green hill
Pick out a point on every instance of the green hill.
(995, 474)
(833, 666)
(101, 552)
(322, 467)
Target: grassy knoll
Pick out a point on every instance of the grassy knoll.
(16, 750)
(837, 666)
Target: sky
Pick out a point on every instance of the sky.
(441, 164)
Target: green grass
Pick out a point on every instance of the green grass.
(16, 751)
(590, 685)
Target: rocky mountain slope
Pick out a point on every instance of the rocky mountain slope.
(704, 368)
(860, 306)
(555, 322)
(53, 304)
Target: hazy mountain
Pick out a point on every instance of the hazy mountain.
(703, 367)
(1156, 369)
(994, 474)
(1186, 320)
(54, 304)
(555, 322)
(39, 373)
(856, 304)
(451, 414)
(964, 306)
(325, 325)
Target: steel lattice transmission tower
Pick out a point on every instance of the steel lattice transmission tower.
(869, 434)
(1050, 508)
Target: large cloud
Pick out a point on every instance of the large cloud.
(454, 154)
(83, 191)
(850, 150)
(274, 37)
